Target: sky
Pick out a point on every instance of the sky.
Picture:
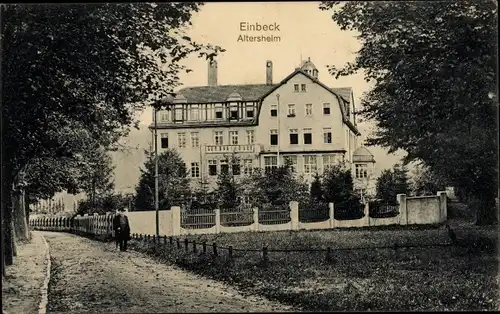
(305, 32)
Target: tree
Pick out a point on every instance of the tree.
(338, 186)
(391, 183)
(228, 190)
(173, 184)
(82, 66)
(316, 190)
(276, 186)
(425, 182)
(434, 69)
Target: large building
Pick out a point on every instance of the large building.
(299, 119)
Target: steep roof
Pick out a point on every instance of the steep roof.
(219, 93)
(344, 92)
(255, 92)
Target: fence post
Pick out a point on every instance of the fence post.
(256, 219)
(186, 243)
(194, 246)
(171, 239)
(265, 258)
(178, 243)
(331, 210)
(154, 239)
(214, 246)
(403, 211)
(175, 212)
(443, 210)
(294, 214)
(217, 220)
(165, 240)
(328, 254)
(204, 247)
(230, 251)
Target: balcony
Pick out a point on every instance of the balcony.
(217, 149)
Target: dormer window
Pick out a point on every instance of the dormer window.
(178, 113)
(249, 112)
(218, 111)
(233, 111)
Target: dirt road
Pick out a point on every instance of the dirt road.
(90, 276)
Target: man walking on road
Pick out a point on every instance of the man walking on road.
(122, 229)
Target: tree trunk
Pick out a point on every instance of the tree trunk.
(21, 229)
(486, 212)
(7, 216)
(14, 241)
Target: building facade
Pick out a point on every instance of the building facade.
(298, 119)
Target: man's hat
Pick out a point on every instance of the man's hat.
(122, 209)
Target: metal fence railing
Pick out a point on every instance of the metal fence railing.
(239, 216)
(274, 214)
(314, 212)
(383, 210)
(197, 218)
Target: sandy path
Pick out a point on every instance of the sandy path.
(21, 289)
(89, 276)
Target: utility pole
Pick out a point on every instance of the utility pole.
(166, 101)
(156, 174)
(279, 135)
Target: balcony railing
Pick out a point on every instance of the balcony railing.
(214, 149)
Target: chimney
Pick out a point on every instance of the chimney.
(269, 72)
(212, 73)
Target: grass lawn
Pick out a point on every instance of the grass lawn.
(419, 278)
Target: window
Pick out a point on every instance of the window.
(212, 167)
(218, 113)
(178, 114)
(361, 171)
(293, 162)
(310, 165)
(218, 138)
(233, 113)
(270, 162)
(164, 116)
(303, 87)
(296, 87)
(181, 138)
(236, 169)
(247, 166)
(250, 137)
(195, 170)
(224, 167)
(291, 110)
(328, 161)
(307, 136)
(294, 136)
(347, 109)
(309, 109)
(274, 110)
(250, 112)
(195, 139)
(164, 140)
(234, 137)
(327, 135)
(195, 113)
(274, 137)
(326, 108)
